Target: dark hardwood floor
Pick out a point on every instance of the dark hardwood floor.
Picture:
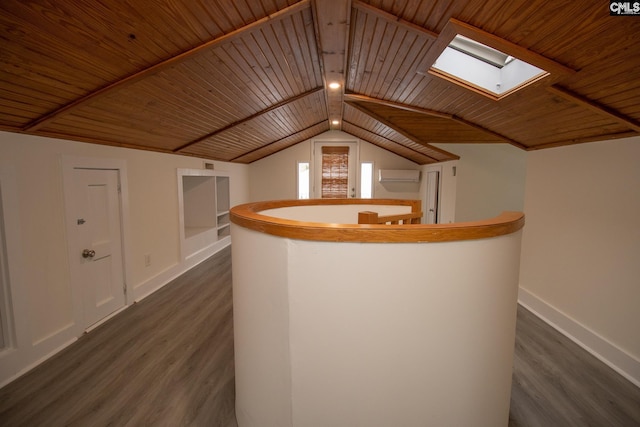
(168, 361)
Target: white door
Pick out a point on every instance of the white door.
(98, 242)
(352, 161)
(432, 197)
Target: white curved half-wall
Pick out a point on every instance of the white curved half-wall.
(373, 334)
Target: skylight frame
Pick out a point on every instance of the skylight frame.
(552, 71)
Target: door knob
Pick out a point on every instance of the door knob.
(88, 253)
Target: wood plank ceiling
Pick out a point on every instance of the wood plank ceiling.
(238, 80)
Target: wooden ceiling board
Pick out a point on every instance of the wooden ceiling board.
(428, 129)
(512, 20)
(232, 79)
(384, 55)
(362, 119)
(273, 125)
(284, 143)
(389, 145)
(219, 86)
(85, 46)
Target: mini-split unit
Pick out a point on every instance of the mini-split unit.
(397, 175)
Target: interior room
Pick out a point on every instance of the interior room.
(130, 112)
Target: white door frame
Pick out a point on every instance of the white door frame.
(438, 169)
(69, 164)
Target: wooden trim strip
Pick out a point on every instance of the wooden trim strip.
(363, 98)
(249, 216)
(133, 78)
(596, 138)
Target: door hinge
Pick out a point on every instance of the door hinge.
(119, 189)
(124, 288)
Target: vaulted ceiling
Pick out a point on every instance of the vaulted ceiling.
(238, 80)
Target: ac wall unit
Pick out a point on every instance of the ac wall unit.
(396, 175)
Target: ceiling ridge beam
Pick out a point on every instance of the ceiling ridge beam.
(139, 75)
(278, 140)
(249, 118)
(332, 21)
(594, 106)
(395, 128)
(367, 8)
(394, 142)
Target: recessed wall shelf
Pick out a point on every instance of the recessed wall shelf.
(204, 209)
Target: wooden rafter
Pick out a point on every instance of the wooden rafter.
(432, 113)
(356, 98)
(609, 136)
(404, 147)
(42, 121)
(396, 128)
(488, 132)
(595, 107)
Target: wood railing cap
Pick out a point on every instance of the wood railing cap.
(248, 215)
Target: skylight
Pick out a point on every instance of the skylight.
(484, 68)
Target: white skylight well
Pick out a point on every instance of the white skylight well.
(484, 68)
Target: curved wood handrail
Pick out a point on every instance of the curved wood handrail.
(248, 215)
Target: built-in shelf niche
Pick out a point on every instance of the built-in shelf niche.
(204, 209)
(222, 206)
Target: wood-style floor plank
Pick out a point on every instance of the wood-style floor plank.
(557, 383)
(168, 361)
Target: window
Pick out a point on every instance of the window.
(477, 66)
(303, 180)
(366, 180)
(335, 172)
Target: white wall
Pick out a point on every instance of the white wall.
(31, 173)
(580, 265)
(490, 179)
(274, 177)
(390, 334)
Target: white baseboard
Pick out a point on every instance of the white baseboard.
(610, 354)
(22, 369)
(150, 286)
